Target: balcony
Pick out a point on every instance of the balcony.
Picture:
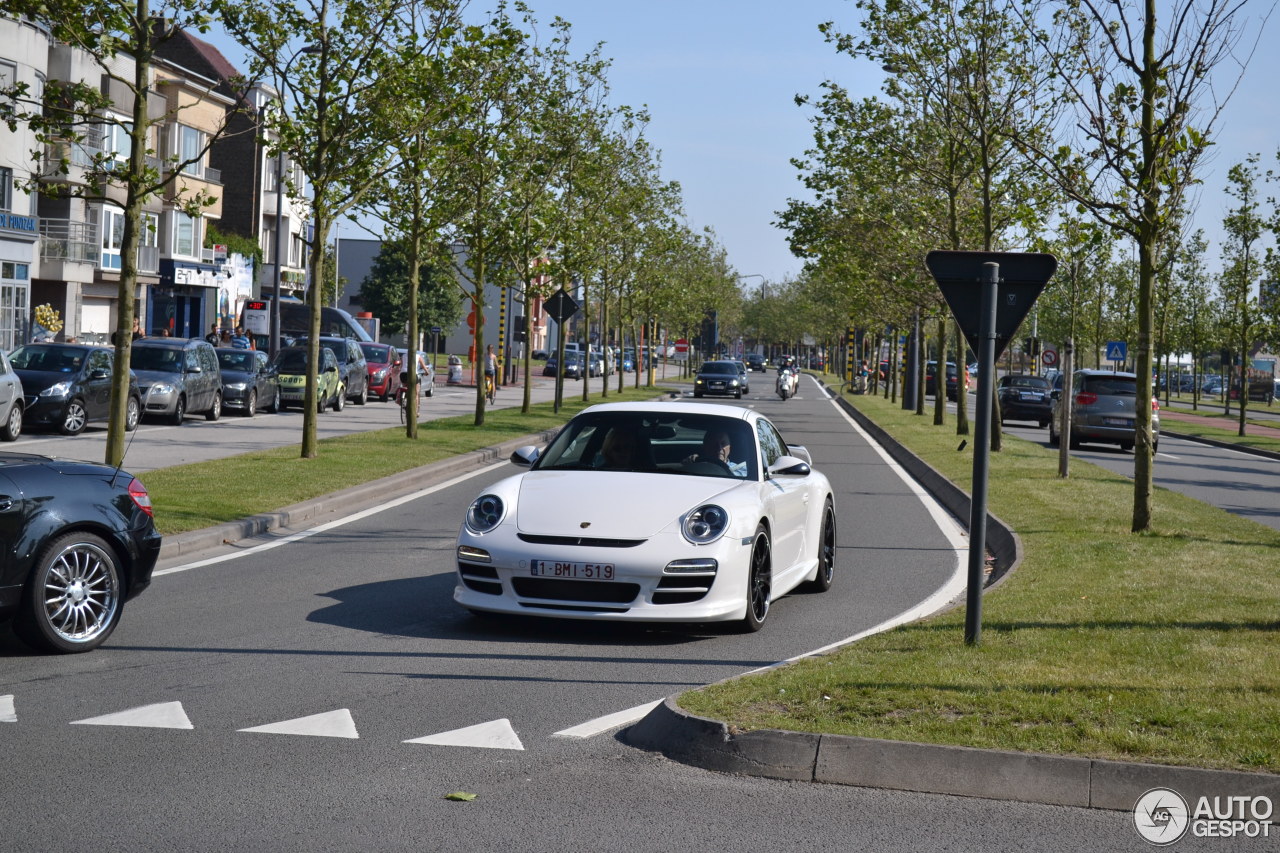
(68, 240)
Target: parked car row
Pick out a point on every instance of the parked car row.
(67, 386)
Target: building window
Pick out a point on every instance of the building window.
(6, 189)
(112, 237)
(186, 235)
(116, 140)
(15, 289)
(190, 145)
(150, 230)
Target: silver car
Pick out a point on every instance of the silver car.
(1103, 408)
(11, 401)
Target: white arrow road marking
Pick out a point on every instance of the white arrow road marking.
(162, 715)
(599, 725)
(7, 714)
(330, 724)
(497, 734)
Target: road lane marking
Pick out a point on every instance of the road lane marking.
(496, 734)
(329, 724)
(330, 525)
(608, 722)
(162, 715)
(7, 712)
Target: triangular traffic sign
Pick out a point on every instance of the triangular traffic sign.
(1022, 276)
(496, 734)
(162, 715)
(330, 724)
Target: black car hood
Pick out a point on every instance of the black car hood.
(35, 381)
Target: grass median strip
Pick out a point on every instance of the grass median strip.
(190, 497)
(1159, 647)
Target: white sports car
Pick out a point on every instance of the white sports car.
(655, 512)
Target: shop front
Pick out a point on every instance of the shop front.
(188, 292)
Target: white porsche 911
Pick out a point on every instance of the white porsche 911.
(655, 512)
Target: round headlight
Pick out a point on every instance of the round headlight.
(705, 524)
(484, 513)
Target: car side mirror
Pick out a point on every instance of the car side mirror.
(525, 456)
(789, 466)
(195, 368)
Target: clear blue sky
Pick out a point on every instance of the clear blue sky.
(720, 76)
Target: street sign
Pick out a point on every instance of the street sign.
(561, 306)
(1049, 357)
(1117, 351)
(1022, 276)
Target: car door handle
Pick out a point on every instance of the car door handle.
(6, 503)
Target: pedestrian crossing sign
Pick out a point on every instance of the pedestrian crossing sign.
(1117, 351)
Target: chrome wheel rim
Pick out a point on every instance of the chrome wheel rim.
(81, 593)
(15, 421)
(131, 415)
(75, 419)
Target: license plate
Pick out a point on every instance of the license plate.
(572, 571)
(1032, 395)
(1124, 422)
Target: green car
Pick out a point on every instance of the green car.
(291, 366)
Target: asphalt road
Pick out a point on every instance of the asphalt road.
(347, 643)
(343, 648)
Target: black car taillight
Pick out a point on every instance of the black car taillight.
(138, 493)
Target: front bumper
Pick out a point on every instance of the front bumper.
(663, 579)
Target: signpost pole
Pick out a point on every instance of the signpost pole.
(981, 455)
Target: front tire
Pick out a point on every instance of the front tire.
(251, 405)
(276, 406)
(74, 418)
(340, 401)
(759, 583)
(12, 424)
(74, 598)
(215, 411)
(179, 412)
(826, 551)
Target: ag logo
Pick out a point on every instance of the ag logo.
(1161, 816)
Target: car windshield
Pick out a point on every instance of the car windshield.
(238, 360)
(652, 442)
(376, 353)
(54, 359)
(292, 361)
(719, 367)
(160, 359)
(1025, 382)
(1112, 386)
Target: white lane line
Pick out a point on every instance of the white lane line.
(329, 525)
(496, 734)
(7, 712)
(162, 715)
(940, 598)
(329, 724)
(616, 720)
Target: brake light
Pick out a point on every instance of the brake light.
(138, 493)
(1155, 404)
(1086, 398)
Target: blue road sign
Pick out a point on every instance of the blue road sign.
(1117, 351)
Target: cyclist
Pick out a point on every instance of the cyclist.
(490, 373)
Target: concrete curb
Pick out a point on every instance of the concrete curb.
(929, 768)
(307, 513)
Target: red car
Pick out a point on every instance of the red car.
(384, 369)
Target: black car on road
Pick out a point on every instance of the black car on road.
(67, 386)
(719, 378)
(79, 540)
(1025, 398)
(249, 381)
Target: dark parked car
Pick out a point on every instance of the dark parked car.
(1104, 405)
(1025, 398)
(352, 367)
(718, 377)
(80, 542)
(177, 376)
(573, 365)
(384, 364)
(68, 385)
(249, 382)
(953, 379)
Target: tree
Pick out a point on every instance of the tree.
(121, 39)
(385, 290)
(1244, 226)
(1141, 117)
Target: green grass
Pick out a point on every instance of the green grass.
(1211, 423)
(190, 497)
(1159, 647)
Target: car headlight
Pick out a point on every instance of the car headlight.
(236, 386)
(161, 388)
(733, 382)
(705, 524)
(379, 375)
(58, 390)
(485, 513)
(699, 381)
